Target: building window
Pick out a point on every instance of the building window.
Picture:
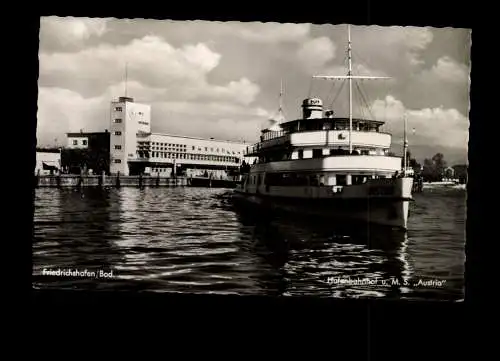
(118, 133)
(75, 142)
(118, 120)
(118, 160)
(118, 109)
(84, 142)
(118, 147)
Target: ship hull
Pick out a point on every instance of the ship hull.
(389, 212)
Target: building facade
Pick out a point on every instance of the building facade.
(87, 152)
(135, 150)
(128, 122)
(48, 161)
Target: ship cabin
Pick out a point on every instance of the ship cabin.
(321, 140)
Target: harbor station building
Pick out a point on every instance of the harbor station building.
(134, 149)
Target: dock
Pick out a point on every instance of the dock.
(114, 181)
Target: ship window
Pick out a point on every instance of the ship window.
(341, 179)
(358, 179)
(317, 153)
(286, 179)
(313, 180)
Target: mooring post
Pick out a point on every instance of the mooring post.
(37, 178)
(158, 180)
(80, 181)
(118, 180)
(58, 180)
(140, 180)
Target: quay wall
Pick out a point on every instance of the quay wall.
(55, 181)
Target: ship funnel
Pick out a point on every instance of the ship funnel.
(312, 108)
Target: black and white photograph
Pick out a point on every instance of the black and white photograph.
(251, 158)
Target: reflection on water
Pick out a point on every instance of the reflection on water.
(194, 240)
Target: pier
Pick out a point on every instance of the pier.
(116, 181)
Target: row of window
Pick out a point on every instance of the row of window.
(298, 179)
(213, 158)
(120, 109)
(166, 144)
(182, 147)
(84, 142)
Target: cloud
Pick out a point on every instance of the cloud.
(414, 41)
(70, 31)
(62, 110)
(241, 91)
(440, 126)
(181, 73)
(151, 59)
(221, 79)
(444, 84)
(448, 70)
(315, 53)
(269, 32)
(396, 50)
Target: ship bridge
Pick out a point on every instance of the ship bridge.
(331, 135)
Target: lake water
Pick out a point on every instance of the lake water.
(194, 240)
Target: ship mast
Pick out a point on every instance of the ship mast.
(349, 74)
(281, 116)
(405, 146)
(350, 77)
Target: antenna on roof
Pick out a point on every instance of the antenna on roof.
(126, 78)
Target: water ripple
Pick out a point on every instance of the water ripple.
(194, 240)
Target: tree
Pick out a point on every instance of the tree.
(439, 164)
(434, 168)
(461, 172)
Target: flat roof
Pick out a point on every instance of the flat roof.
(83, 134)
(199, 138)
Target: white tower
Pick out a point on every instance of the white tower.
(127, 120)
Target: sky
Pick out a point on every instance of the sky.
(222, 79)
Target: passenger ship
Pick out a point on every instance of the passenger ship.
(327, 166)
